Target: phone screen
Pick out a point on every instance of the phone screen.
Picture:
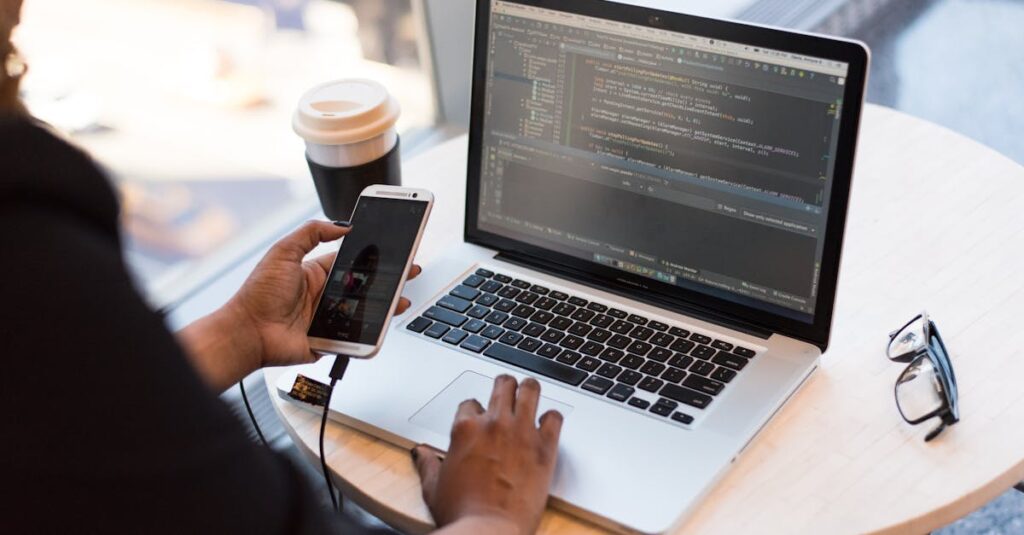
(362, 284)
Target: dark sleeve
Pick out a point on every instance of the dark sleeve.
(106, 427)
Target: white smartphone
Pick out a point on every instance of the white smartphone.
(365, 283)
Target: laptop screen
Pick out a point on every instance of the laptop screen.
(696, 162)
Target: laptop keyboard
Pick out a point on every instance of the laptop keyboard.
(585, 344)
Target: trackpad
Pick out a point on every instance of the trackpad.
(439, 413)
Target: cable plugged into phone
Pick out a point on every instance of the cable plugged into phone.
(337, 372)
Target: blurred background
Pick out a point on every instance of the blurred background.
(187, 103)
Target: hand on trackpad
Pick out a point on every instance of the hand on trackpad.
(439, 413)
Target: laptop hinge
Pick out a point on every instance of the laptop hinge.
(650, 298)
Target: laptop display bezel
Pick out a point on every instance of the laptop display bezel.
(850, 52)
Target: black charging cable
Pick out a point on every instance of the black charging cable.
(252, 415)
(337, 372)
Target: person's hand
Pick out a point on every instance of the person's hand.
(499, 465)
(279, 297)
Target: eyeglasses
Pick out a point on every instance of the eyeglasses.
(927, 387)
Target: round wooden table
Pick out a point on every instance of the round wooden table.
(934, 224)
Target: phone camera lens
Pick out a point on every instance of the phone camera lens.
(414, 195)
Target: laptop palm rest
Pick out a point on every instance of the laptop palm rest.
(439, 413)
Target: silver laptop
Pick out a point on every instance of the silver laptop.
(654, 216)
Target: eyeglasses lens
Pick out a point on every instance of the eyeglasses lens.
(918, 391)
(909, 340)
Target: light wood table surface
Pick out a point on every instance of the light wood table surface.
(935, 223)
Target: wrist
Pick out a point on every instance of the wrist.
(223, 346)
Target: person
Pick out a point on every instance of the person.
(114, 424)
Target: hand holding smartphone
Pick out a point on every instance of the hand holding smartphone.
(366, 281)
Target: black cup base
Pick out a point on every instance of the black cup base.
(339, 188)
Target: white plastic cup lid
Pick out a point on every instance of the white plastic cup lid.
(345, 111)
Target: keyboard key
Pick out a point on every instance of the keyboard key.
(474, 281)
(563, 309)
(465, 292)
(552, 336)
(487, 300)
(598, 385)
(685, 395)
(602, 321)
(478, 312)
(549, 351)
(509, 292)
(681, 361)
(676, 331)
(641, 333)
(724, 346)
(572, 342)
(591, 348)
(545, 303)
(534, 329)
(588, 363)
(580, 329)
(599, 335)
(673, 374)
(640, 348)
(523, 311)
(639, 320)
(662, 339)
(455, 336)
(617, 314)
(529, 344)
(542, 317)
(505, 305)
(651, 384)
(682, 418)
(632, 362)
(621, 327)
(504, 279)
(496, 317)
(621, 392)
(610, 354)
(475, 343)
(538, 289)
(723, 374)
(514, 324)
(493, 332)
(609, 370)
(652, 368)
(703, 352)
(639, 403)
(729, 360)
(583, 314)
(662, 409)
(511, 338)
(568, 357)
(702, 384)
(657, 326)
(660, 354)
(682, 346)
(743, 352)
(630, 377)
(528, 298)
(700, 338)
(474, 326)
(619, 342)
(577, 301)
(484, 273)
(445, 316)
(560, 323)
(559, 296)
(418, 325)
(597, 307)
(702, 367)
(533, 363)
(521, 284)
(490, 287)
(437, 330)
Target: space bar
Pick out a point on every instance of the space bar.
(533, 363)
